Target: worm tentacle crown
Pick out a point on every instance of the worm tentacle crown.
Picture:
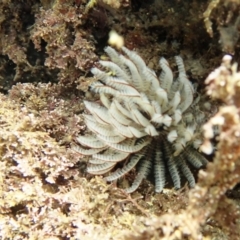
(146, 121)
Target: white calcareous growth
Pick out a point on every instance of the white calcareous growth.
(151, 123)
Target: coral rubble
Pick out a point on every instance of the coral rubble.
(47, 48)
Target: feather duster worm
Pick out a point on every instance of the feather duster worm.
(150, 123)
